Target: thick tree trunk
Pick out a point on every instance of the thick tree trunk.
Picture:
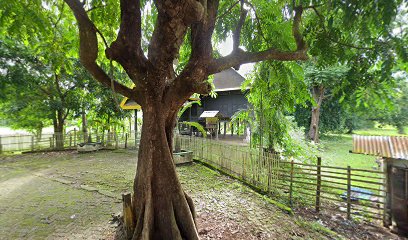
(84, 126)
(318, 95)
(400, 128)
(162, 210)
(58, 123)
(314, 124)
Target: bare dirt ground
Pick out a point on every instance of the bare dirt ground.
(72, 196)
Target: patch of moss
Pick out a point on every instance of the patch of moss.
(317, 227)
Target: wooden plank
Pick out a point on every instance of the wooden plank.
(318, 184)
(333, 167)
(129, 224)
(348, 192)
(291, 184)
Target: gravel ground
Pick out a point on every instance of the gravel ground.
(72, 196)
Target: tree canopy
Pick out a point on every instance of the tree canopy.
(146, 39)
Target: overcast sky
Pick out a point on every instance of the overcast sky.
(225, 48)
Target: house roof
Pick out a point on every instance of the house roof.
(228, 80)
(384, 146)
(207, 114)
(129, 104)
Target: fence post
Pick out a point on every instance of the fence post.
(348, 192)
(126, 138)
(387, 221)
(318, 183)
(129, 224)
(291, 183)
(51, 142)
(32, 143)
(70, 140)
(116, 141)
(75, 137)
(244, 165)
(1, 146)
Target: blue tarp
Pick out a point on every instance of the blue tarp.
(358, 194)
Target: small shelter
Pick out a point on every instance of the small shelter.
(211, 121)
(129, 104)
(393, 151)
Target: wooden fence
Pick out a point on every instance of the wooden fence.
(49, 142)
(345, 190)
(328, 188)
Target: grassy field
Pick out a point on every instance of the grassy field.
(335, 148)
(335, 151)
(383, 131)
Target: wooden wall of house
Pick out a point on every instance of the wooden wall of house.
(228, 103)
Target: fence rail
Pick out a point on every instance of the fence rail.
(46, 142)
(351, 191)
(325, 187)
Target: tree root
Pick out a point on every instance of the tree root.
(175, 222)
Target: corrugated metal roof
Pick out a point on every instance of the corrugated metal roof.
(384, 146)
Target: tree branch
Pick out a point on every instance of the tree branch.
(57, 86)
(172, 23)
(228, 10)
(236, 35)
(65, 115)
(300, 43)
(257, 20)
(242, 57)
(95, 7)
(126, 49)
(194, 75)
(88, 49)
(321, 18)
(239, 56)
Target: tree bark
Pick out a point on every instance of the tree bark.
(314, 124)
(318, 95)
(58, 123)
(162, 209)
(400, 128)
(84, 126)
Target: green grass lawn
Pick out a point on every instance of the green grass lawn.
(335, 151)
(335, 148)
(383, 131)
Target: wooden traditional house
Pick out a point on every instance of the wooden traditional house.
(229, 100)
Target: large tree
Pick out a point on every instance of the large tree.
(261, 30)
(322, 84)
(161, 208)
(35, 94)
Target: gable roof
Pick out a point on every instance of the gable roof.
(129, 104)
(384, 146)
(228, 80)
